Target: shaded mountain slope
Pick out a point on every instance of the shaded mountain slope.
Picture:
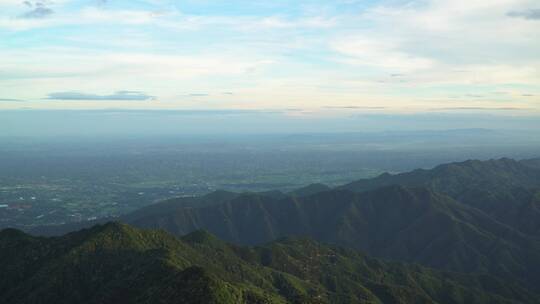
(115, 263)
(534, 162)
(310, 190)
(505, 189)
(474, 217)
(412, 225)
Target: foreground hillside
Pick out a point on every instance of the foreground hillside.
(116, 263)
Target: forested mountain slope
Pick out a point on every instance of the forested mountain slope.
(473, 217)
(116, 263)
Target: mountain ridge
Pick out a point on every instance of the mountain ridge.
(463, 217)
(116, 262)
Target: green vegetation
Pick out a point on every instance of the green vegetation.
(470, 217)
(115, 263)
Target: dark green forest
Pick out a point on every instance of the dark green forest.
(117, 263)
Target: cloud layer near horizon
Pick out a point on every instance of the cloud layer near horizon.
(119, 95)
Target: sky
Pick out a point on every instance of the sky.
(301, 58)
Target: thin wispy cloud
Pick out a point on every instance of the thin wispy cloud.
(530, 14)
(355, 107)
(198, 95)
(11, 100)
(38, 12)
(480, 109)
(117, 96)
(194, 112)
(37, 9)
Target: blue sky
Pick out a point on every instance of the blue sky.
(303, 58)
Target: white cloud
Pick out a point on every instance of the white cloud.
(493, 75)
(11, 2)
(170, 19)
(459, 31)
(379, 53)
(272, 59)
(438, 42)
(35, 73)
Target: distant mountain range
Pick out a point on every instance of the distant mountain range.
(116, 263)
(504, 189)
(477, 217)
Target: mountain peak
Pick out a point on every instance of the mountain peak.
(112, 227)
